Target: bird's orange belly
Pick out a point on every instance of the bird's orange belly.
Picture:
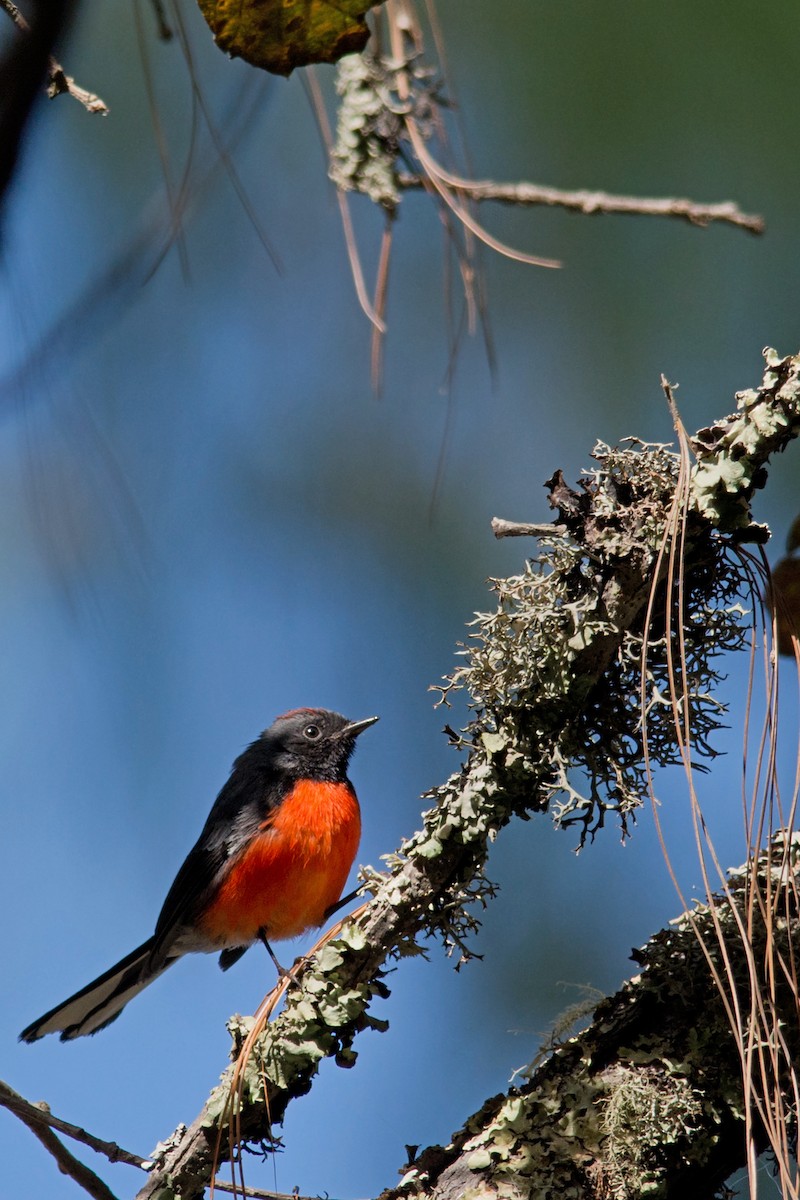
(290, 873)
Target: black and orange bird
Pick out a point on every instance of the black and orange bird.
(271, 862)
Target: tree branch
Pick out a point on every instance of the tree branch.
(538, 707)
(40, 1115)
(502, 529)
(647, 1101)
(39, 1121)
(58, 82)
(592, 202)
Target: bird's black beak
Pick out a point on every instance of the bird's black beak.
(356, 727)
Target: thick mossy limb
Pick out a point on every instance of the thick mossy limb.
(647, 1102)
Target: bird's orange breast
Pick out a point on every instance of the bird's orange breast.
(292, 871)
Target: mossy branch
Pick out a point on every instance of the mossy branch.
(549, 674)
(648, 1100)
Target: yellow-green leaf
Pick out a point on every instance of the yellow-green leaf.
(279, 35)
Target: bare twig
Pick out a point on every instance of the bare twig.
(164, 27)
(251, 1193)
(356, 269)
(67, 1163)
(590, 202)
(502, 528)
(58, 81)
(40, 1116)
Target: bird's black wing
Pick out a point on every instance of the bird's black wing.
(238, 812)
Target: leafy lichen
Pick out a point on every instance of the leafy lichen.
(578, 750)
(731, 455)
(370, 130)
(648, 1100)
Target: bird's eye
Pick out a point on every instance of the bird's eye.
(312, 732)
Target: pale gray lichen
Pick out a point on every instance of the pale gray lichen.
(578, 750)
(370, 130)
(643, 1111)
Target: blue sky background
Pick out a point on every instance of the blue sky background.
(208, 518)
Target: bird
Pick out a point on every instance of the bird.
(271, 862)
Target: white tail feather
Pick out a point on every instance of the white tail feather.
(100, 1002)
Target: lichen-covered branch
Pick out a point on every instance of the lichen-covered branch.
(647, 1101)
(732, 455)
(373, 143)
(550, 674)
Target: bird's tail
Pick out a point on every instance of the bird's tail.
(101, 1002)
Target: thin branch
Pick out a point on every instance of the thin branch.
(41, 1117)
(590, 202)
(164, 28)
(58, 82)
(356, 270)
(251, 1193)
(502, 528)
(67, 1163)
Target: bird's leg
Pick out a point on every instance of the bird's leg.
(341, 903)
(262, 937)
